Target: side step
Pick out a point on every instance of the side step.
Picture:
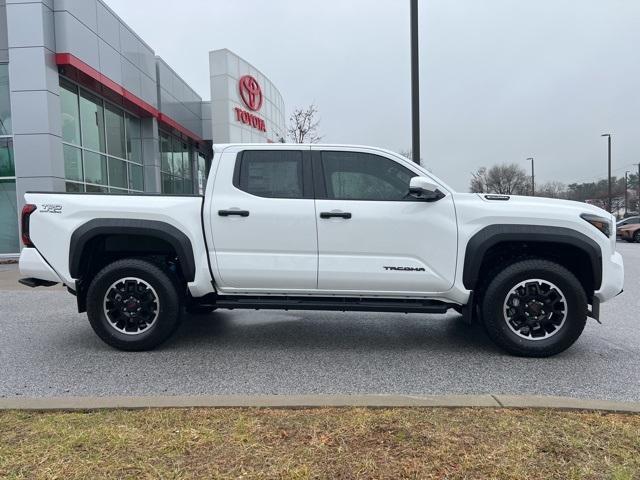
(342, 304)
(36, 282)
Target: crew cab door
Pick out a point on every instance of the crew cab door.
(262, 219)
(373, 237)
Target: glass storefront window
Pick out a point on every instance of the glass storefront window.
(114, 121)
(136, 181)
(7, 165)
(74, 187)
(5, 106)
(134, 141)
(109, 143)
(176, 164)
(72, 162)
(95, 168)
(165, 152)
(117, 173)
(92, 121)
(8, 217)
(70, 113)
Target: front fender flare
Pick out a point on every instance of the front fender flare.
(492, 235)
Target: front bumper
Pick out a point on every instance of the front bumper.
(612, 277)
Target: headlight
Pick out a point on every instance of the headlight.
(601, 223)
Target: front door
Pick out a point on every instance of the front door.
(263, 221)
(372, 236)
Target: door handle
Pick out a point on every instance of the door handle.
(239, 213)
(345, 215)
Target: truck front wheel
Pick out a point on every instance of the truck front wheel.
(133, 305)
(534, 308)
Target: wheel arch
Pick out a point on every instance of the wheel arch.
(153, 229)
(546, 241)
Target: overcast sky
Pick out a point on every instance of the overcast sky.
(501, 80)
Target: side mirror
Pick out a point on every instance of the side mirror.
(423, 189)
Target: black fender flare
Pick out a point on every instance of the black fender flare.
(492, 235)
(124, 226)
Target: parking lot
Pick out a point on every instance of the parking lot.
(47, 349)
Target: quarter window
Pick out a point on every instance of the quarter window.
(272, 174)
(363, 176)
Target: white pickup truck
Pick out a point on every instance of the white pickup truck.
(324, 227)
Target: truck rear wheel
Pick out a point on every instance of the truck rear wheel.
(133, 305)
(534, 308)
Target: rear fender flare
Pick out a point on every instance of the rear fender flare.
(122, 226)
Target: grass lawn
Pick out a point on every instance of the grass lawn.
(332, 443)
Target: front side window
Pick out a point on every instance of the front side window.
(271, 173)
(364, 176)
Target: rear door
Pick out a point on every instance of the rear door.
(263, 221)
(372, 236)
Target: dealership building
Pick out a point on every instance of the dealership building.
(87, 106)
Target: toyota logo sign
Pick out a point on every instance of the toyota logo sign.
(250, 92)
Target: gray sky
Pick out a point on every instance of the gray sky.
(501, 80)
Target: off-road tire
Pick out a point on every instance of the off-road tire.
(168, 312)
(494, 318)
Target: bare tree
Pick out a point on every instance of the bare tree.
(303, 125)
(507, 179)
(552, 189)
(479, 181)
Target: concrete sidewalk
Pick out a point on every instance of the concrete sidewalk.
(315, 401)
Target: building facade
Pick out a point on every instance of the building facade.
(87, 106)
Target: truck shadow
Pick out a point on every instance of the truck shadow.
(329, 330)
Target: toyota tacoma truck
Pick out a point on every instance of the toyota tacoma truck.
(324, 227)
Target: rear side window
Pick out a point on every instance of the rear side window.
(364, 176)
(270, 173)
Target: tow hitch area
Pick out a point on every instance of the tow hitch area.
(36, 282)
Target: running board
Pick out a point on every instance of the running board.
(342, 304)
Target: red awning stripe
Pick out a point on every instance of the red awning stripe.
(71, 60)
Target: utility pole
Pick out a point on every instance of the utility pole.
(626, 189)
(533, 177)
(608, 135)
(415, 85)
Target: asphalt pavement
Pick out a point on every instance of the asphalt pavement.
(47, 349)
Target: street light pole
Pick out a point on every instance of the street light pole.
(608, 135)
(533, 177)
(415, 85)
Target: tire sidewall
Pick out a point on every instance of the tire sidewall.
(168, 312)
(495, 296)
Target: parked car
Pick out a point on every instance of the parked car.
(630, 233)
(628, 221)
(325, 227)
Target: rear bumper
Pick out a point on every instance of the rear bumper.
(612, 277)
(33, 266)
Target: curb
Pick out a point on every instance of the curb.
(315, 401)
